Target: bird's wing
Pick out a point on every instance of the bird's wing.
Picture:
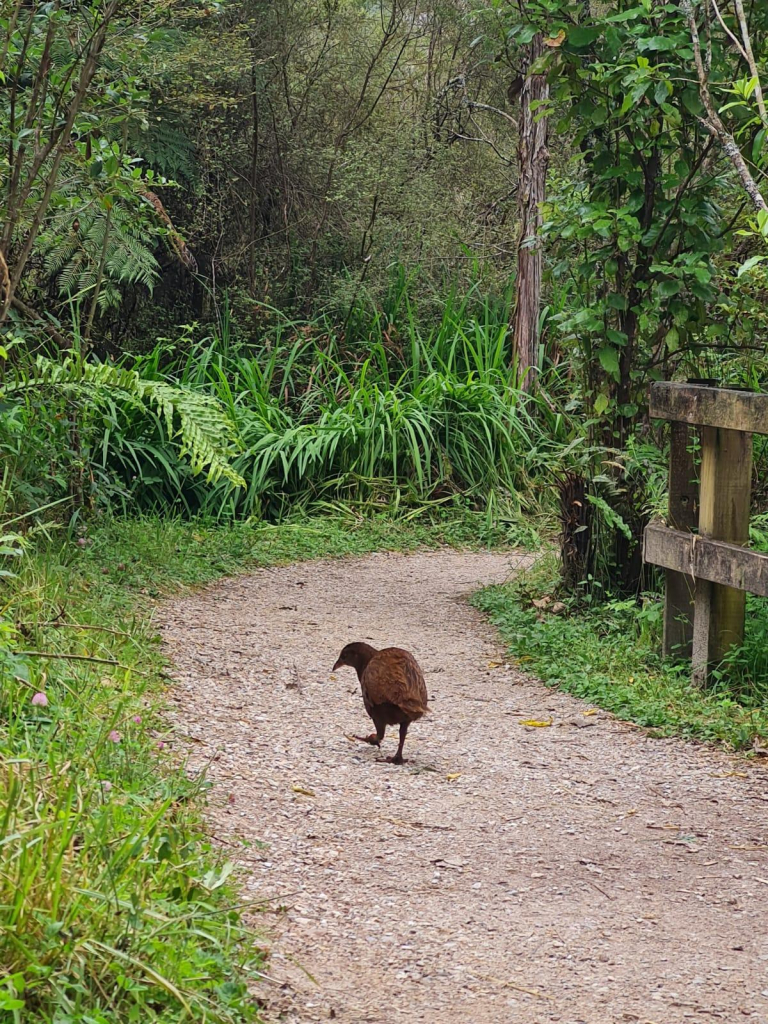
(394, 677)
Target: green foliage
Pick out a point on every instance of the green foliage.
(296, 422)
(112, 904)
(205, 435)
(638, 220)
(115, 242)
(610, 656)
(313, 426)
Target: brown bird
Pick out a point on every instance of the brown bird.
(394, 691)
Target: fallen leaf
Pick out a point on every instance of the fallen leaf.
(453, 775)
(554, 41)
(541, 602)
(495, 664)
(536, 725)
(592, 711)
(304, 792)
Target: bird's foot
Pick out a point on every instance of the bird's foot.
(395, 759)
(373, 739)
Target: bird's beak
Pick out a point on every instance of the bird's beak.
(337, 665)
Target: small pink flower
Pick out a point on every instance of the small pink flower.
(161, 745)
(106, 785)
(81, 542)
(137, 719)
(40, 700)
(115, 736)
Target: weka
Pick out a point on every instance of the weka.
(394, 691)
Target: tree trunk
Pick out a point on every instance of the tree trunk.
(533, 158)
(253, 206)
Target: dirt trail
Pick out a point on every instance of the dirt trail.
(584, 874)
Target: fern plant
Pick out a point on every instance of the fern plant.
(120, 238)
(196, 423)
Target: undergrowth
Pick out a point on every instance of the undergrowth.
(610, 655)
(114, 905)
(406, 415)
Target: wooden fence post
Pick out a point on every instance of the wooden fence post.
(683, 515)
(718, 557)
(726, 477)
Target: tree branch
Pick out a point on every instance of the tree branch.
(47, 326)
(750, 58)
(712, 122)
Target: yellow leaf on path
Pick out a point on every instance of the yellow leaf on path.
(453, 775)
(304, 792)
(495, 664)
(592, 711)
(536, 725)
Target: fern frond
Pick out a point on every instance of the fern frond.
(195, 422)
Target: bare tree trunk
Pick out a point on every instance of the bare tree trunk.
(253, 206)
(533, 157)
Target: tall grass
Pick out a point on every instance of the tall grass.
(112, 907)
(379, 412)
(407, 417)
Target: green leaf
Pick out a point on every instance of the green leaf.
(617, 337)
(655, 43)
(609, 359)
(749, 264)
(631, 15)
(525, 33)
(672, 339)
(692, 102)
(757, 145)
(617, 301)
(601, 404)
(703, 292)
(580, 35)
(668, 288)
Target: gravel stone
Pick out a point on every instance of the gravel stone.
(504, 875)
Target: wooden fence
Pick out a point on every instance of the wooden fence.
(709, 572)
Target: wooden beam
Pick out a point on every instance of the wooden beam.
(710, 407)
(683, 515)
(715, 560)
(726, 479)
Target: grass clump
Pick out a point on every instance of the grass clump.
(610, 655)
(113, 904)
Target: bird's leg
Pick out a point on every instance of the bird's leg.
(375, 738)
(398, 758)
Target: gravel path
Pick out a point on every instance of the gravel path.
(581, 873)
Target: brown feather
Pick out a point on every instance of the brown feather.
(393, 682)
(394, 691)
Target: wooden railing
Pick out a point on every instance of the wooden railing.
(709, 572)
